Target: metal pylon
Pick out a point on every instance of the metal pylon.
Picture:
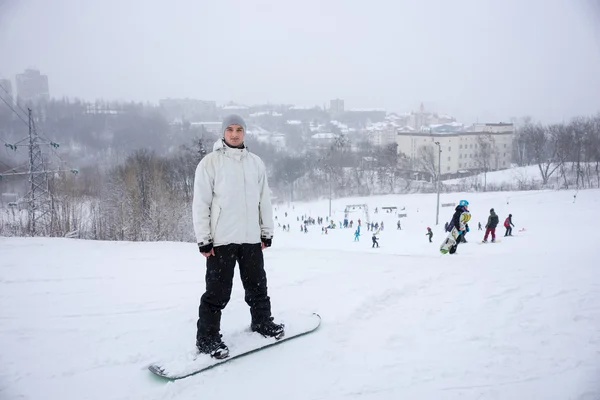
(39, 199)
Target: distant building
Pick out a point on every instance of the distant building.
(6, 84)
(32, 86)
(210, 127)
(336, 106)
(382, 135)
(188, 109)
(322, 140)
(422, 119)
(232, 108)
(366, 114)
(461, 150)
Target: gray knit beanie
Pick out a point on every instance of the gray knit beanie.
(231, 120)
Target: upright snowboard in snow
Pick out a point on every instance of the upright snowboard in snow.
(449, 241)
(240, 344)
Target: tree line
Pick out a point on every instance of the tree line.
(569, 151)
(144, 191)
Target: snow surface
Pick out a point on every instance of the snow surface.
(518, 319)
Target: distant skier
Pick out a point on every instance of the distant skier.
(508, 224)
(480, 225)
(429, 233)
(459, 221)
(375, 242)
(491, 225)
(357, 235)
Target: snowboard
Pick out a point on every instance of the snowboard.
(449, 241)
(240, 343)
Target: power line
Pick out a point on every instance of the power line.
(10, 97)
(13, 110)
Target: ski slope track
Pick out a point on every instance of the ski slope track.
(518, 319)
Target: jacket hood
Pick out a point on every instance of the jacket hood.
(218, 144)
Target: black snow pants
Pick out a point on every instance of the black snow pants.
(219, 282)
(455, 246)
(508, 231)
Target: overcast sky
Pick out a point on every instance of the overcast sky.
(475, 59)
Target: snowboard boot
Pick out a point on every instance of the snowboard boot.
(268, 328)
(213, 346)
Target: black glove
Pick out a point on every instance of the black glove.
(205, 248)
(266, 242)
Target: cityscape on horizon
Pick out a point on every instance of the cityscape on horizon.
(320, 125)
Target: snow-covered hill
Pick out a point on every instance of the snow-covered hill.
(528, 178)
(506, 176)
(513, 320)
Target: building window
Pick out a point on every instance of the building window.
(448, 158)
(459, 165)
(460, 156)
(448, 169)
(460, 146)
(505, 145)
(449, 148)
(504, 154)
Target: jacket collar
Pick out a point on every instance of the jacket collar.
(234, 153)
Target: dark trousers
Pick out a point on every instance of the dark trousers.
(488, 231)
(508, 231)
(459, 238)
(219, 282)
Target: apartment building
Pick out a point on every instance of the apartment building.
(32, 86)
(480, 146)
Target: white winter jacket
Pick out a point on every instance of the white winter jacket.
(232, 201)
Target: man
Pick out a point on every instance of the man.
(460, 221)
(491, 225)
(233, 221)
(508, 224)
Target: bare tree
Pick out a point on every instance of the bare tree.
(543, 148)
(580, 128)
(591, 147)
(387, 165)
(484, 157)
(287, 170)
(562, 139)
(428, 161)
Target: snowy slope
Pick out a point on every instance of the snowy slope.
(508, 177)
(514, 320)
